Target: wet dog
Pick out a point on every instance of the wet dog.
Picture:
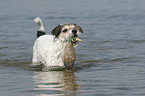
(57, 49)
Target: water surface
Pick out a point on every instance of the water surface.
(110, 60)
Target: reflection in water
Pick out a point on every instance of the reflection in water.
(61, 81)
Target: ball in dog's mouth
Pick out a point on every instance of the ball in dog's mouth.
(74, 39)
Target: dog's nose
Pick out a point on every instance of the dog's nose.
(74, 31)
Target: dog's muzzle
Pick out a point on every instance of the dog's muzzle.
(74, 36)
(74, 32)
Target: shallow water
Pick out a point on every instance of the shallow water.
(110, 60)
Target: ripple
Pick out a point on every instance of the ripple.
(122, 88)
(122, 59)
(15, 63)
(3, 47)
(54, 68)
(61, 17)
(138, 41)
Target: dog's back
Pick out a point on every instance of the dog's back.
(47, 51)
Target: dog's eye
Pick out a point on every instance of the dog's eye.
(65, 30)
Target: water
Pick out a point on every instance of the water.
(110, 60)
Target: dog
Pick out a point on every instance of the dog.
(57, 49)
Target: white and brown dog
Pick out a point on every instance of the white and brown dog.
(57, 49)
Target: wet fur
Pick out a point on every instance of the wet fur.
(55, 50)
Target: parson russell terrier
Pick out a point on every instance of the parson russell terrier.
(57, 49)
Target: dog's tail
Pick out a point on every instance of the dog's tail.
(41, 30)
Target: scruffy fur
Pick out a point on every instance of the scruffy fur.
(56, 49)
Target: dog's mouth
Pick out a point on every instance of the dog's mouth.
(74, 39)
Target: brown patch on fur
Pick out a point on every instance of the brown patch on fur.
(69, 56)
(78, 28)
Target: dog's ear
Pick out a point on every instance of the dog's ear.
(56, 31)
(78, 28)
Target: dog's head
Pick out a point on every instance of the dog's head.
(67, 32)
